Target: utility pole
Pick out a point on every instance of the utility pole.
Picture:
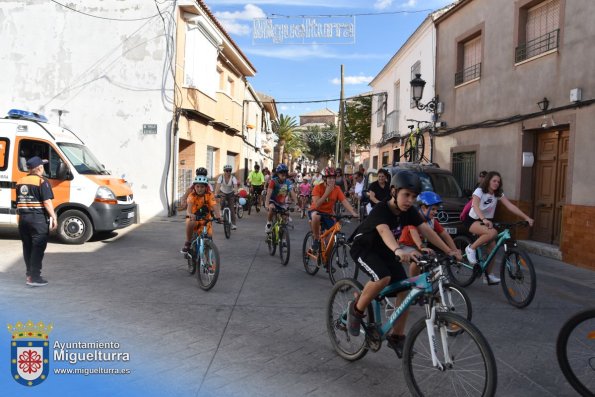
(339, 146)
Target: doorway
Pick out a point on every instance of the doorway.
(550, 185)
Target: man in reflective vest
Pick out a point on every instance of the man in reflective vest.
(36, 218)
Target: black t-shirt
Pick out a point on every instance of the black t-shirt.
(366, 236)
(381, 193)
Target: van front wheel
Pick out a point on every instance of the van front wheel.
(74, 227)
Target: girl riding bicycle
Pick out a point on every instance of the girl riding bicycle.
(200, 205)
(479, 220)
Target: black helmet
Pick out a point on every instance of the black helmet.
(406, 180)
(256, 166)
(201, 171)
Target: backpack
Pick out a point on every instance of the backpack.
(466, 210)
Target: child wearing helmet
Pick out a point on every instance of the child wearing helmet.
(226, 189)
(376, 250)
(410, 240)
(279, 188)
(182, 203)
(200, 206)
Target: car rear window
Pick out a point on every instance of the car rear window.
(443, 184)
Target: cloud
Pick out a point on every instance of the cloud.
(303, 53)
(231, 20)
(299, 3)
(382, 4)
(353, 80)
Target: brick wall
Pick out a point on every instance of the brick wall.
(578, 240)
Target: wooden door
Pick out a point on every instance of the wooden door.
(550, 185)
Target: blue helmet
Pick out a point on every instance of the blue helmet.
(282, 168)
(429, 198)
(200, 179)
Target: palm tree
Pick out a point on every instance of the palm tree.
(284, 128)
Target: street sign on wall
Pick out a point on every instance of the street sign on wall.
(149, 129)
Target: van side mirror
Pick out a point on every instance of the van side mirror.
(63, 172)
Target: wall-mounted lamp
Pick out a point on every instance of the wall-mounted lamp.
(544, 104)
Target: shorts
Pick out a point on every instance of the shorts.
(257, 189)
(469, 221)
(326, 222)
(379, 266)
(277, 205)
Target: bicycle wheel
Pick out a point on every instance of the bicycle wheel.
(209, 270)
(472, 371)
(227, 222)
(240, 212)
(310, 261)
(349, 347)
(249, 204)
(575, 349)
(191, 265)
(272, 241)
(517, 277)
(461, 273)
(341, 264)
(284, 247)
(455, 301)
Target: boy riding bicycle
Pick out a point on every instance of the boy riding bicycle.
(200, 206)
(256, 182)
(278, 190)
(227, 188)
(410, 240)
(324, 197)
(377, 252)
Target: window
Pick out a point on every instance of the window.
(396, 155)
(84, 162)
(415, 69)
(539, 31)
(200, 61)
(230, 87)
(375, 162)
(381, 109)
(211, 160)
(231, 160)
(221, 78)
(463, 169)
(385, 159)
(4, 151)
(469, 67)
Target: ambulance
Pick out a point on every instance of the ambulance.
(87, 198)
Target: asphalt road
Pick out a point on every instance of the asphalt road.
(260, 331)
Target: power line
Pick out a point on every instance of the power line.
(320, 100)
(352, 15)
(100, 17)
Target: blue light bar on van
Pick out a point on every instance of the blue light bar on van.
(25, 115)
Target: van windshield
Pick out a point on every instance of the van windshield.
(443, 184)
(82, 159)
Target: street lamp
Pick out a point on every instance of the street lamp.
(417, 88)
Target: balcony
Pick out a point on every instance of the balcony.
(391, 127)
(468, 74)
(547, 42)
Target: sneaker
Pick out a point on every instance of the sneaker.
(471, 255)
(491, 279)
(396, 342)
(233, 227)
(185, 248)
(354, 319)
(28, 280)
(315, 247)
(268, 228)
(37, 282)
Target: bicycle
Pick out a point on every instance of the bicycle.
(303, 203)
(203, 256)
(575, 350)
(279, 235)
(253, 200)
(225, 215)
(452, 354)
(516, 269)
(414, 144)
(333, 253)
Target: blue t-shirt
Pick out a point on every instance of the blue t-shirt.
(280, 190)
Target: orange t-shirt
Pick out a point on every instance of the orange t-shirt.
(202, 205)
(328, 207)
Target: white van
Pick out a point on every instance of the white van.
(87, 198)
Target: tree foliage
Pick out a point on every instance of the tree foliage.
(320, 142)
(359, 121)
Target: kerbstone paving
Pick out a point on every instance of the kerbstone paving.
(261, 330)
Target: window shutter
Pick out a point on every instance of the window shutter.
(472, 53)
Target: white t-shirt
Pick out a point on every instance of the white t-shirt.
(227, 188)
(487, 204)
(359, 186)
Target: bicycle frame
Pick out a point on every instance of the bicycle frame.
(199, 242)
(501, 240)
(327, 242)
(280, 221)
(418, 285)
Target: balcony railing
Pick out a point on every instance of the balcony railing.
(531, 48)
(391, 126)
(470, 73)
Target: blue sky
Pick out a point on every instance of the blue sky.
(312, 72)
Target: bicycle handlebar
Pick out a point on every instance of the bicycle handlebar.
(506, 225)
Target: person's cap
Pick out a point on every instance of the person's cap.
(35, 161)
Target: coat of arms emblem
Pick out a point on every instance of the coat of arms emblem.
(29, 352)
